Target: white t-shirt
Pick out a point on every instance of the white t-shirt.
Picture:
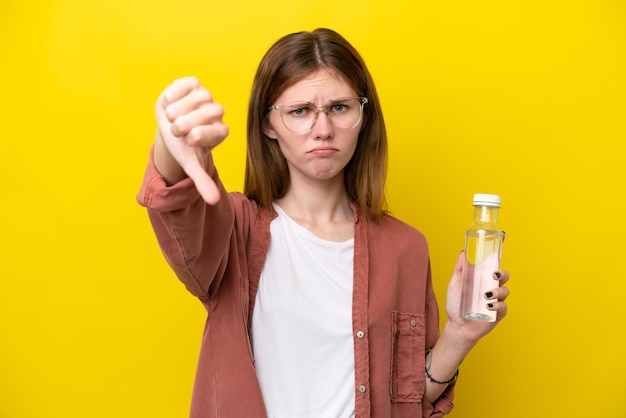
(302, 324)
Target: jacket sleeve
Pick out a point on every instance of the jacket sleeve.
(443, 405)
(194, 237)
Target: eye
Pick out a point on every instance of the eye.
(298, 110)
(338, 108)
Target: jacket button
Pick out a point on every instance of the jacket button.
(362, 388)
(413, 323)
(360, 334)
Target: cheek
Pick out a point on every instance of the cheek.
(285, 146)
(355, 143)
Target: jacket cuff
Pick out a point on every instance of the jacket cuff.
(156, 194)
(442, 406)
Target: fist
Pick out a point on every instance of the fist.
(189, 125)
(186, 110)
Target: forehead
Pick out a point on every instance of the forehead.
(319, 87)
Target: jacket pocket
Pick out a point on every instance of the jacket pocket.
(408, 357)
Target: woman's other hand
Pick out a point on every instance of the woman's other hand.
(472, 331)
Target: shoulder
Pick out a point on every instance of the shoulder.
(249, 210)
(392, 225)
(392, 233)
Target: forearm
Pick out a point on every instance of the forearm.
(193, 236)
(444, 360)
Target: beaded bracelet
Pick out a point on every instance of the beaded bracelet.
(432, 379)
(447, 382)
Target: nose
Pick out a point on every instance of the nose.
(323, 127)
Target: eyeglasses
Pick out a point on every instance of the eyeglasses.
(300, 117)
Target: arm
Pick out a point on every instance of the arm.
(459, 336)
(193, 236)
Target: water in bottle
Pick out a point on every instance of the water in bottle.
(483, 246)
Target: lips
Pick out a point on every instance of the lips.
(323, 151)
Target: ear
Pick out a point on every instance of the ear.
(269, 131)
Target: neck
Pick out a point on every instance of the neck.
(317, 201)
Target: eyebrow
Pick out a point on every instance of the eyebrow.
(313, 103)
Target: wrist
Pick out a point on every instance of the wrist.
(434, 380)
(165, 163)
(454, 340)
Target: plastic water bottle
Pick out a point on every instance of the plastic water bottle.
(483, 247)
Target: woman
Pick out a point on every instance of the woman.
(320, 304)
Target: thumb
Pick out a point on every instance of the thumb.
(457, 276)
(188, 158)
(203, 182)
(459, 262)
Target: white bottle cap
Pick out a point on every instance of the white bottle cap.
(487, 200)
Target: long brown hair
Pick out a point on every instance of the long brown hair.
(291, 59)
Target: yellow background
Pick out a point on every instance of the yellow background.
(525, 98)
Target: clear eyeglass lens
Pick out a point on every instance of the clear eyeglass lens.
(301, 117)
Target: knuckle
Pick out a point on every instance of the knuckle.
(193, 137)
(178, 127)
(203, 94)
(224, 130)
(170, 113)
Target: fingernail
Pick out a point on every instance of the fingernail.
(497, 274)
(490, 305)
(489, 295)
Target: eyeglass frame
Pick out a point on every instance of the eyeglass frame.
(362, 102)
